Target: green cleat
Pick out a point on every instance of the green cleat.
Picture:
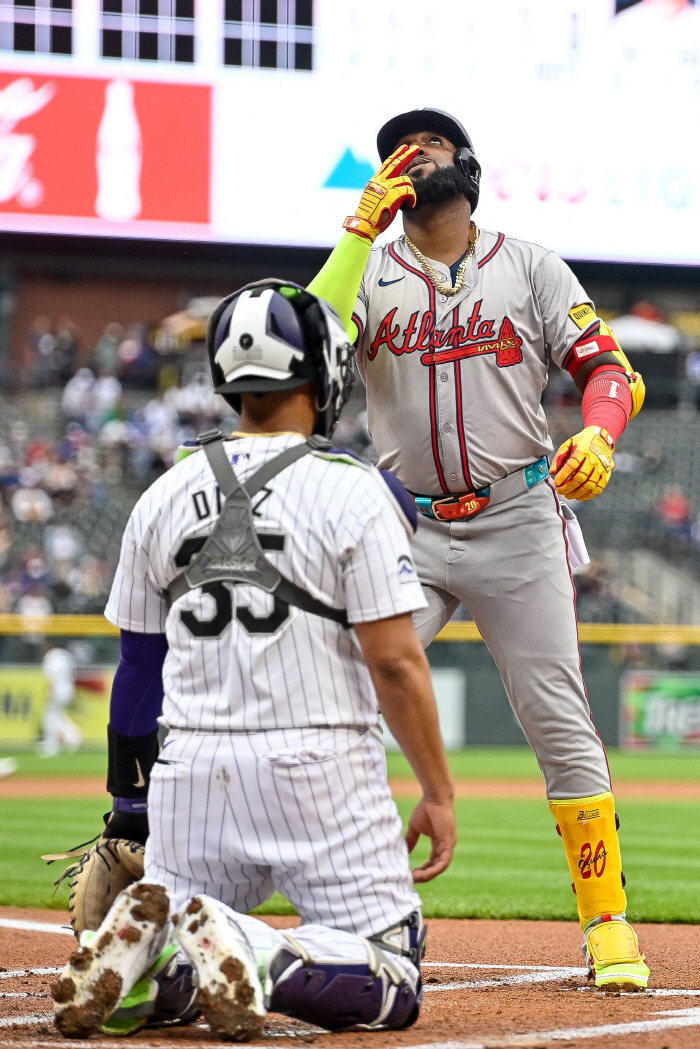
(614, 958)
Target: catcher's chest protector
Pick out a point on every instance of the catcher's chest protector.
(232, 552)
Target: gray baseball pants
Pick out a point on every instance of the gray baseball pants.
(509, 566)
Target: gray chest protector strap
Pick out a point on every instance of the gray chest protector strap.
(232, 552)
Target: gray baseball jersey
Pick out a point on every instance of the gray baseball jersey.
(454, 383)
(453, 390)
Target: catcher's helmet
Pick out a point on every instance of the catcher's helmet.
(273, 335)
(434, 120)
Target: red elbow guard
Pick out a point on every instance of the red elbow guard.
(607, 400)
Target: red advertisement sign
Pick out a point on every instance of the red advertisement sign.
(118, 150)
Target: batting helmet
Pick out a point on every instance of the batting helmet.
(273, 335)
(434, 120)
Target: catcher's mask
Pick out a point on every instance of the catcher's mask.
(273, 335)
(444, 124)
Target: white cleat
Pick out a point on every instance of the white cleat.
(230, 993)
(103, 970)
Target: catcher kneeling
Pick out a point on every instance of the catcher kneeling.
(265, 593)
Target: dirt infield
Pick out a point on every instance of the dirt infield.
(647, 790)
(488, 984)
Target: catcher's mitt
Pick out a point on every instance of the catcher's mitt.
(97, 879)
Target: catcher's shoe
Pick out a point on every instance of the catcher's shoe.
(163, 997)
(612, 952)
(99, 974)
(230, 993)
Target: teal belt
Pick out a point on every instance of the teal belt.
(469, 504)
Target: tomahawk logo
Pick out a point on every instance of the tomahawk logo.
(476, 338)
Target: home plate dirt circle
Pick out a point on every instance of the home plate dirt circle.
(488, 984)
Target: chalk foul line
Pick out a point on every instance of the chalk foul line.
(27, 926)
(675, 1018)
(29, 972)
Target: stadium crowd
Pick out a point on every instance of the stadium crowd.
(125, 406)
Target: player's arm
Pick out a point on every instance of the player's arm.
(613, 393)
(132, 733)
(401, 677)
(136, 605)
(338, 282)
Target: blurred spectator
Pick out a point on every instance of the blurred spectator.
(653, 456)
(34, 604)
(105, 397)
(29, 502)
(137, 358)
(41, 343)
(62, 544)
(692, 374)
(106, 354)
(596, 599)
(644, 329)
(52, 352)
(77, 396)
(627, 463)
(66, 350)
(674, 510)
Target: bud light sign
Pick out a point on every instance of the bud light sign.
(120, 155)
(660, 711)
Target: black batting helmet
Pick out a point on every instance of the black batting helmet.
(274, 335)
(444, 124)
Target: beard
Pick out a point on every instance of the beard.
(439, 186)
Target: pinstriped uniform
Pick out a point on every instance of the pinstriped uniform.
(272, 774)
(454, 386)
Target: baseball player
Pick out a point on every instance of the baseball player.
(455, 328)
(59, 732)
(266, 587)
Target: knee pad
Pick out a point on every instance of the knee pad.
(342, 994)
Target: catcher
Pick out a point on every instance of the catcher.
(273, 775)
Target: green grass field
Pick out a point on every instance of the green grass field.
(509, 861)
(510, 763)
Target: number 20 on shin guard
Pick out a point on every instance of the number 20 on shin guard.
(589, 832)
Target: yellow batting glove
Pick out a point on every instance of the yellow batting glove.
(383, 196)
(582, 466)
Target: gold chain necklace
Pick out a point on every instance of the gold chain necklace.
(447, 289)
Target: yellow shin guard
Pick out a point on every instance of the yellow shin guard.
(589, 832)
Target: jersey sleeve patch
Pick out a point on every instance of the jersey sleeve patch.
(583, 315)
(590, 345)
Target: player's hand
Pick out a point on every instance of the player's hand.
(383, 196)
(582, 466)
(437, 821)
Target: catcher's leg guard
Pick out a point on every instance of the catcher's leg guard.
(588, 827)
(230, 992)
(371, 989)
(100, 974)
